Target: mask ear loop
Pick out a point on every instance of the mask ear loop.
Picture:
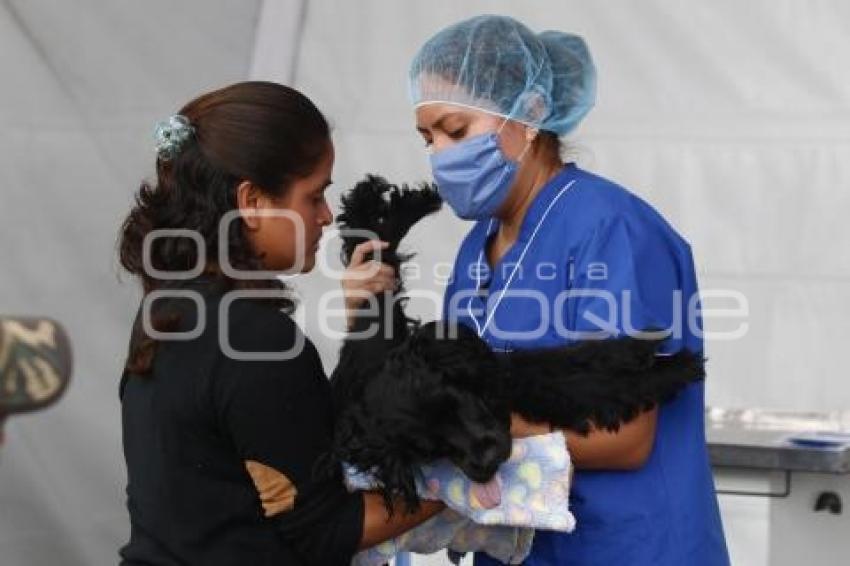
(528, 140)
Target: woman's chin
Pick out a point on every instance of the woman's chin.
(290, 267)
(309, 263)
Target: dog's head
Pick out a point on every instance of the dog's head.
(469, 412)
(437, 396)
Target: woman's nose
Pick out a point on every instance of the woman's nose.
(327, 217)
(440, 143)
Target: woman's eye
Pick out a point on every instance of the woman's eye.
(457, 134)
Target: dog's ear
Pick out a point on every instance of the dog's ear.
(397, 479)
(388, 453)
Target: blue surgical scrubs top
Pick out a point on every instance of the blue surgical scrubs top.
(592, 257)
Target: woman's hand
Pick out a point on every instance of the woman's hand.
(520, 428)
(365, 278)
(379, 525)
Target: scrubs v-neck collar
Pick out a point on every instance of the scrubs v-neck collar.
(535, 217)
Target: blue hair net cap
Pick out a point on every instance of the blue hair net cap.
(497, 65)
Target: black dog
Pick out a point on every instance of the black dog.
(409, 394)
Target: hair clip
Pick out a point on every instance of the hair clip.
(171, 134)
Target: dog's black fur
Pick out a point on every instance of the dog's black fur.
(411, 394)
(376, 209)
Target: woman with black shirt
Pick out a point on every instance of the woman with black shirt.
(225, 406)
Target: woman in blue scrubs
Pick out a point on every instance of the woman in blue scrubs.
(558, 255)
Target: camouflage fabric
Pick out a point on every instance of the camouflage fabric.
(35, 363)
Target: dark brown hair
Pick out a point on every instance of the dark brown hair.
(262, 132)
(549, 145)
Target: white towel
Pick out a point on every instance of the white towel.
(529, 491)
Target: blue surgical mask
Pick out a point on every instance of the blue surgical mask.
(474, 176)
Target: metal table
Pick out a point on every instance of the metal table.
(767, 444)
(800, 462)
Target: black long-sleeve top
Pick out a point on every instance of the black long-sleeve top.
(206, 437)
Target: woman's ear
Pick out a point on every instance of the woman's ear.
(530, 136)
(249, 200)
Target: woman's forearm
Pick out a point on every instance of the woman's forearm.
(626, 449)
(379, 526)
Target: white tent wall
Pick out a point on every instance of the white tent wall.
(732, 118)
(82, 84)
